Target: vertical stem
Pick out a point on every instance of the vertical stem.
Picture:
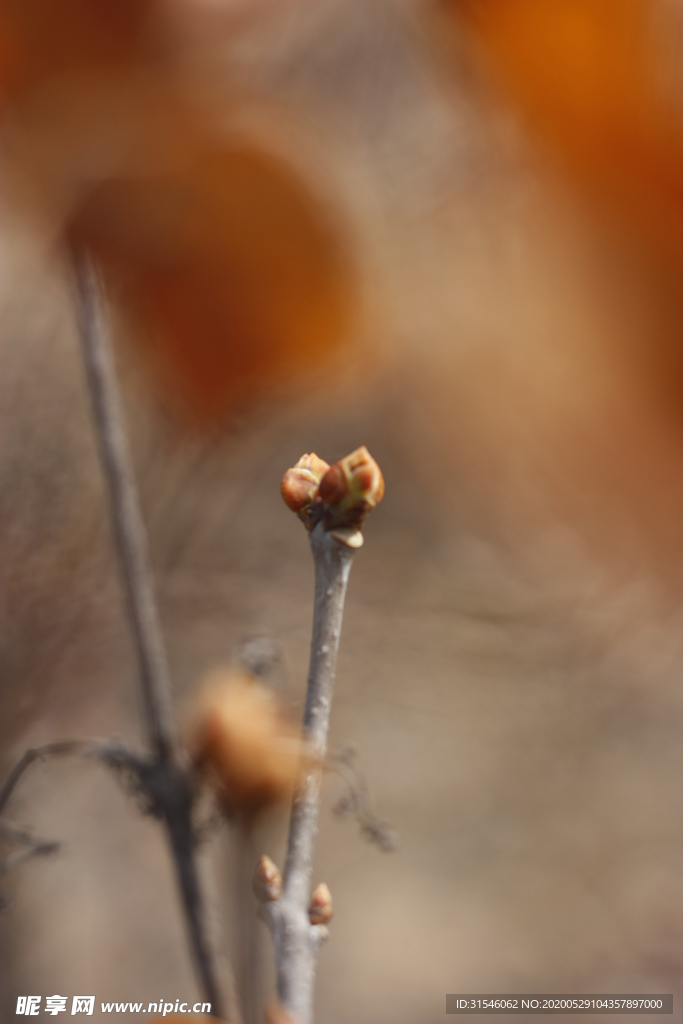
(168, 779)
(127, 521)
(296, 940)
(248, 925)
(182, 842)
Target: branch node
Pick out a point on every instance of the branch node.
(320, 933)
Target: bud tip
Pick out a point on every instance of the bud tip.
(320, 907)
(267, 881)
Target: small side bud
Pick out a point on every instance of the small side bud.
(267, 881)
(320, 907)
(350, 489)
(299, 487)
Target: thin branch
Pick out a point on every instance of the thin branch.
(32, 847)
(17, 859)
(111, 754)
(13, 834)
(249, 962)
(356, 803)
(64, 748)
(126, 518)
(167, 780)
(297, 941)
(114, 755)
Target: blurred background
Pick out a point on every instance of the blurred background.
(452, 232)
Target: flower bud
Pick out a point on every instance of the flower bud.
(300, 484)
(320, 907)
(267, 881)
(350, 489)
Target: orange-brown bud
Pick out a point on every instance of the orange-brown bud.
(320, 907)
(351, 488)
(300, 484)
(267, 881)
(334, 489)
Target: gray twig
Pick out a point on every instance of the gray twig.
(167, 779)
(356, 803)
(37, 849)
(126, 518)
(249, 963)
(296, 940)
(111, 754)
(63, 748)
(15, 834)
(114, 755)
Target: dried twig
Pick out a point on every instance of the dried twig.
(33, 847)
(356, 803)
(37, 849)
(125, 513)
(111, 754)
(60, 749)
(165, 776)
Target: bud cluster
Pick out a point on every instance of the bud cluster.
(340, 496)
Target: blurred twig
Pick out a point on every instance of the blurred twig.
(125, 515)
(32, 847)
(166, 776)
(60, 749)
(249, 964)
(356, 802)
(111, 754)
(38, 849)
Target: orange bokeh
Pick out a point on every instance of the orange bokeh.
(40, 40)
(221, 253)
(234, 275)
(593, 77)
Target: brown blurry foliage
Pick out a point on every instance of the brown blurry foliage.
(234, 276)
(226, 259)
(240, 736)
(601, 82)
(41, 41)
